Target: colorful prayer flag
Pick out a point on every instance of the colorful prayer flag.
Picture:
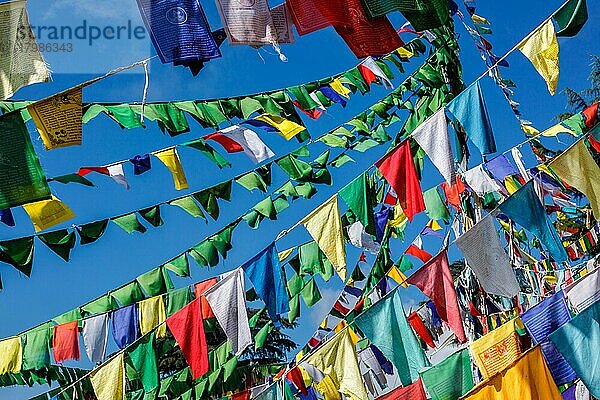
(171, 160)
(108, 380)
(45, 214)
(541, 48)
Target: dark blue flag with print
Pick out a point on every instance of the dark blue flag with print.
(179, 30)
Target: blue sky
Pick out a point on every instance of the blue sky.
(56, 287)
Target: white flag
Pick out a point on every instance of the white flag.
(116, 172)
(253, 146)
(95, 334)
(376, 69)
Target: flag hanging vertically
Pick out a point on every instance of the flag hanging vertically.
(541, 48)
(108, 380)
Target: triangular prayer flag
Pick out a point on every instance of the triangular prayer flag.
(416, 249)
(116, 172)
(187, 326)
(541, 48)
(571, 17)
(435, 281)
(370, 64)
(108, 380)
(397, 276)
(45, 214)
(339, 88)
(360, 198)
(325, 226)
(286, 128)
(237, 138)
(399, 171)
(432, 136)
(58, 118)
(171, 160)
(141, 164)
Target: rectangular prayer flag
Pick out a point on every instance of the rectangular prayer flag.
(36, 347)
(45, 214)
(108, 380)
(325, 226)
(171, 160)
(11, 356)
(414, 391)
(95, 337)
(65, 342)
(248, 23)
(541, 48)
(449, 379)
(21, 62)
(58, 118)
(144, 360)
(187, 326)
(585, 291)
(125, 326)
(152, 314)
(497, 350)
(22, 179)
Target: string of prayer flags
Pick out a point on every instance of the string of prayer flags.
(540, 321)
(578, 342)
(228, 301)
(58, 118)
(65, 342)
(95, 337)
(541, 48)
(470, 110)
(179, 31)
(336, 359)
(577, 167)
(398, 169)
(266, 275)
(398, 343)
(45, 214)
(325, 226)
(125, 325)
(23, 180)
(497, 350)
(170, 158)
(525, 209)
(527, 379)
(237, 139)
(571, 17)
(414, 391)
(486, 256)
(432, 136)
(108, 380)
(451, 378)
(435, 281)
(187, 327)
(19, 68)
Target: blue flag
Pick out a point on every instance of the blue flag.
(125, 326)
(525, 208)
(470, 110)
(179, 30)
(266, 275)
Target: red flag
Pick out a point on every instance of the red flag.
(414, 391)
(199, 289)
(367, 74)
(435, 281)
(313, 114)
(230, 145)
(399, 171)
(295, 376)
(363, 257)
(416, 249)
(86, 170)
(590, 115)
(417, 324)
(65, 343)
(245, 395)
(453, 192)
(187, 327)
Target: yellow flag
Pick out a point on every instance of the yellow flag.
(405, 53)
(342, 90)
(171, 160)
(527, 379)
(343, 325)
(497, 350)
(58, 119)
(433, 224)
(556, 129)
(336, 358)
(542, 50)
(399, 219)
(47, 213)
(288, 129)
(397, 276)
(283, 255)
(152, 313)
(328, 389)
(108, 380)
(10, 356)
(325, 226)
(577, 167)
(530, 130)
(477, 19)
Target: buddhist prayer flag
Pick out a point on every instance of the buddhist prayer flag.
(360, 198)
(577, 167)
(585, 291)
(141, 164)
(432, 136)
(21, 177)
(449, 379)
(541, 48)
(527, 378)
(118, 175)
(21, 63)
(470, 110)
(65, 342)
(435, 281)
(497, 350)
(481, 183)
(339, 88)
(337, 360)
(399, 171)
(199, 289)
(266, 275)
(416, 250)
(571, 17)
(58, 118)
(578, 343)
(36, 347)
(108, 380)
(485, 254)
(125, 326)
(397, 342)
(228, 301)
(325, 226)
(152, 314)
(143, 358)
(11, 356)
(414, 391)
(540, 321)
(45, 214)
(171, 160)
(370, 64)
(179, 30)
(247, 23)
(237, 138)
(286, 128)
(187, 327)
(435, 207)
(95, 335)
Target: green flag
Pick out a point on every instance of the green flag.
(571, 17)
(36, 347)
(435, 208)
(451, 378)
(359, 197)
(143, 359)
